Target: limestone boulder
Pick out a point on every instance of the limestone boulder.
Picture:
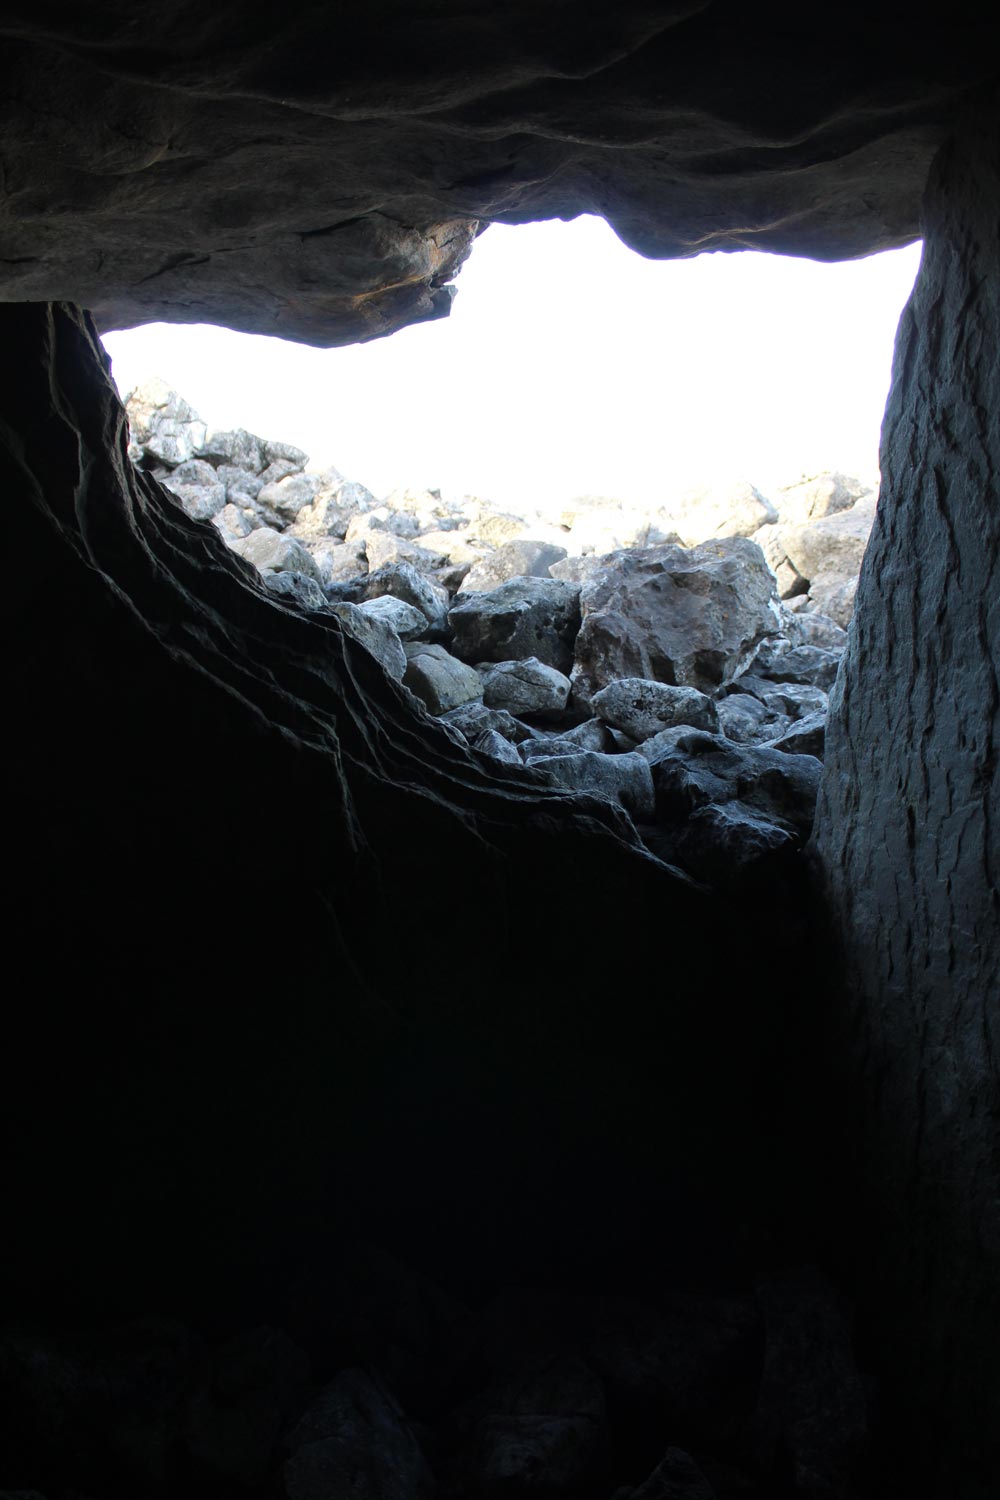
(821, 495)
(525, 687)
(524, 617)
(474, 720)
(625, 779)
(298, 587)
(383, 548)
(700, 770)
(291, 495)
(780, 661)
(272, 552)
(522, 558)
(691, 618)
(400, 580)
(162, 426)
(335, 504)
(378, 638)
(338, 562)
(438, 679)
(719, 842)
(202, 502)
(732, 510)
(641, 708)
(238, 447)
(241, 484)
(408, 622)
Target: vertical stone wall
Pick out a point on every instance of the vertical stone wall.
(908, 832)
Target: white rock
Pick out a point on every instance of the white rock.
(272, 552)
(408, 622)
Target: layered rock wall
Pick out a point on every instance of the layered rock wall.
(907, 828)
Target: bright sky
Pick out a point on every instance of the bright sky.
(570, 365)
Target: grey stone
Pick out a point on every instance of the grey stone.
(402, 581)
(811, 499)
(810, 628)
(691, 617)
(355, 1441)
(521, 558)
(782, 662)
(523, 617)
(233, 522)
(746, 719)
(440, 680)
(592, 734)
(525, 687)
(624, 779)
(162, 425)
(835, 599)
(702, 770)
(242, 482)
(797, 699)
(719, 841)
(272, 552)
(832, 548)
(378, 638)
(338, 562)
(332, 509)
(200, 502)
(408, 623)
(475, 719)
(734, 510)
(384, 548)
(304, 591)
(807, 736)
(289, 496)
(582, 569)
(280, 469)
(496, 745)
(194, 472)
(240, 448)
(640, 708)
(367, 521)
(285, 453)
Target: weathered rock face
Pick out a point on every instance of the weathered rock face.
(907, 822)
(323, 178)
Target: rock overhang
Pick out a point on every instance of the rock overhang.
(324, 180)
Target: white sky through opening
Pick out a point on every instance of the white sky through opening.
(570, 365)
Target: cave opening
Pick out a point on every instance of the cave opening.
(378, 1121)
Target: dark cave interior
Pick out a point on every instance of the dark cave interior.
(487, 1157)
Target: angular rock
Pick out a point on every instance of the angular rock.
(285, 453)
(521, 558)
(384, 548)
(807, 736)
(475, 719)
(378, 638)
(811, 628)
(237, 447)
(625, 779)
(523, 617)
(719, 842)
(200, 502)
(688, 617)
(779, 661)
(162, 425)
(331, 511)
(355, 1441)
(402, 581)
(238, 481)
(380, 518)
(819, 496)
(525, 687)
(736, 510)
(796, 699)
(745, 719)
(408, 623)
(789, 581)
(233, 522)
(271, 552)
(297, 586)
(641, 708)
(700, 770)
(440, 680)
(195, 472)
(835, 599)
(339, 562)
(290, 496)
(592, 734)
(492, 743)
(831, 550)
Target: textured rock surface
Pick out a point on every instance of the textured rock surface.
(315, 181)
(907, 824)
(686, 617)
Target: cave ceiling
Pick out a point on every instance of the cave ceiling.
(319, 172)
